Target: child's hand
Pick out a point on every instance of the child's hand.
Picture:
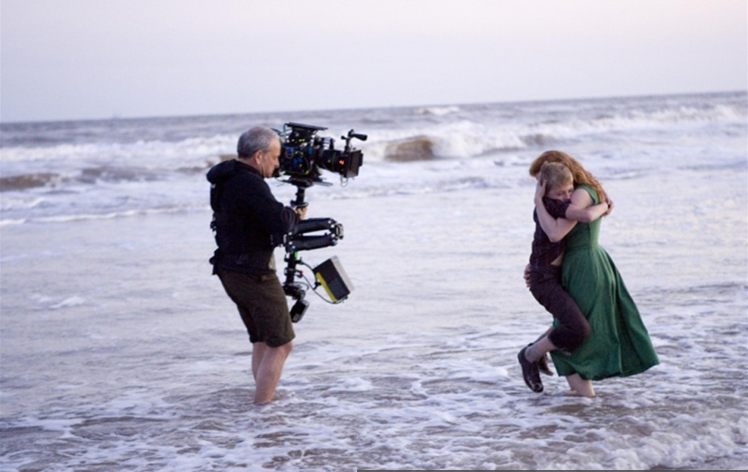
(527, 275)
(539, 192)
(610, 206)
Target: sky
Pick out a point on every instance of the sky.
(92, 59)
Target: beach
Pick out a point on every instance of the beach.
(120, 350)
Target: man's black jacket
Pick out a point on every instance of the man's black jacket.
(246, 218)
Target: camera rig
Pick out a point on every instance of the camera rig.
(303, 154)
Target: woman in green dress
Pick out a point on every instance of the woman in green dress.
(618, 344)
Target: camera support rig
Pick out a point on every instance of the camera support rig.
(299, 241)
(302, 156)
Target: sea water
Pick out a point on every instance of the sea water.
(119, 350)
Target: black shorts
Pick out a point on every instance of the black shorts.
(262, 305)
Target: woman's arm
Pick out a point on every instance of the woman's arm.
(586, 215)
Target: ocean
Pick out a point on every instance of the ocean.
(120, 351)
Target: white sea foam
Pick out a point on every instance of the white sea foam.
(23, 202)
(68, 302)
(437, 111)
(9, 222)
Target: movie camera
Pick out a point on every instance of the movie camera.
(303, 154)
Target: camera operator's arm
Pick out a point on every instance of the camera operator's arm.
(275, 218)
(278, 219)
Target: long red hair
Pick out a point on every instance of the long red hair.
(580, 174)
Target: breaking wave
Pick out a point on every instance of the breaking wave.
(161, 163)
(23, 182)
(466, 138)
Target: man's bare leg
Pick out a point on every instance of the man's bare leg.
(268, 370)
(258, 352)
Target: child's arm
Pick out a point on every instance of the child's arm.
(557, 229)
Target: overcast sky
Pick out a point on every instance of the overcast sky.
(76, 59)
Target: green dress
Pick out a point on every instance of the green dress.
(618, 344)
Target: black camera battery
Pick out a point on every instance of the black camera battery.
(331, 275)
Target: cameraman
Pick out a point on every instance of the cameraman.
(246, 219)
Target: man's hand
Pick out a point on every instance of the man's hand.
(301, 211)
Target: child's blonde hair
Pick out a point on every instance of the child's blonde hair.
(581, 175)
(555, 175)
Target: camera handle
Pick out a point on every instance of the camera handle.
(301, 186)
(352, 135)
